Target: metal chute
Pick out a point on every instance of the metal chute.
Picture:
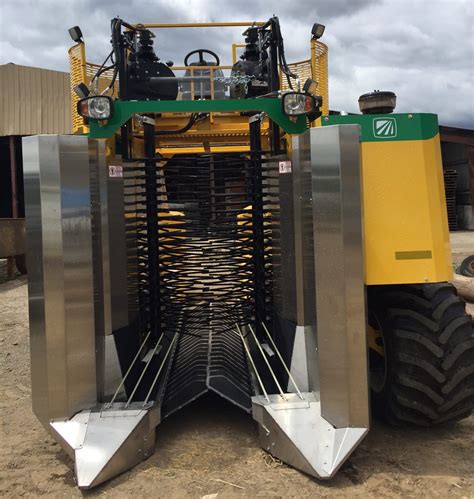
(217, 272)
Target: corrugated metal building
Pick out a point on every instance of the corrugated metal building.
(33, 101)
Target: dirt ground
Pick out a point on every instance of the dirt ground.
(211, 448)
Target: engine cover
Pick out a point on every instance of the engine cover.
(141, 88)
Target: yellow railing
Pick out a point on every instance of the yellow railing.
(236, 46)
(82, 72)
(198, 25)
(315, 68)
(319, 67)
(77, 74)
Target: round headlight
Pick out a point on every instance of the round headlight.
(99, 108)
(294, 104)
(297, 103)
(96, 107)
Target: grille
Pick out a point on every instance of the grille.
(450, 177)
(205, 279)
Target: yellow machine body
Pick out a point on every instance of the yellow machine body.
(406, 233)
(405, 220)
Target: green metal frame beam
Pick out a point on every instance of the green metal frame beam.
(124, 110)
(389, 127)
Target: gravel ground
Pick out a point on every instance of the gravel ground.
(212, 448)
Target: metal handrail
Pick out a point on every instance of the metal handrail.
(198, 25)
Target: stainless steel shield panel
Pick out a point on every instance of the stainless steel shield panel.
(318, 427)
(109, 266)
(60, 281)
(339, 275)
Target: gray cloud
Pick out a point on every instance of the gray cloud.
(421, 49)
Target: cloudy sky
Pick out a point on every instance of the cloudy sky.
(423, 50)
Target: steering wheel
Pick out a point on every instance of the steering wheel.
(202, 62)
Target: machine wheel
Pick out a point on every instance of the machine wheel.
(467, 267)
(422, 354)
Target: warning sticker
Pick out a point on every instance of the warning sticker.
(115, 171)
(284, 166)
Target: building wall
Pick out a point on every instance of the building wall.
(457, 146)
(33, 101)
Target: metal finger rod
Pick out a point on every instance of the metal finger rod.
(262, 386)
(300, 395)
(128, 372)
(129, 401)
(267, 363)
(160, 369)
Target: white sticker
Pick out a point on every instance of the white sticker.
(284, 166)
(115, 171)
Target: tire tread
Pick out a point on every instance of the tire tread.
(429, 348)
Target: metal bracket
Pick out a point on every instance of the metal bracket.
(145, 120)
(295, 432)
(106, 442)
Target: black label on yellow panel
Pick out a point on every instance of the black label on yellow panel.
(413, 255)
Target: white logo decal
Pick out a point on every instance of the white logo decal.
(385, 128)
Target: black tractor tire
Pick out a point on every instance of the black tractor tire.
(467, 267)
(428, 342)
